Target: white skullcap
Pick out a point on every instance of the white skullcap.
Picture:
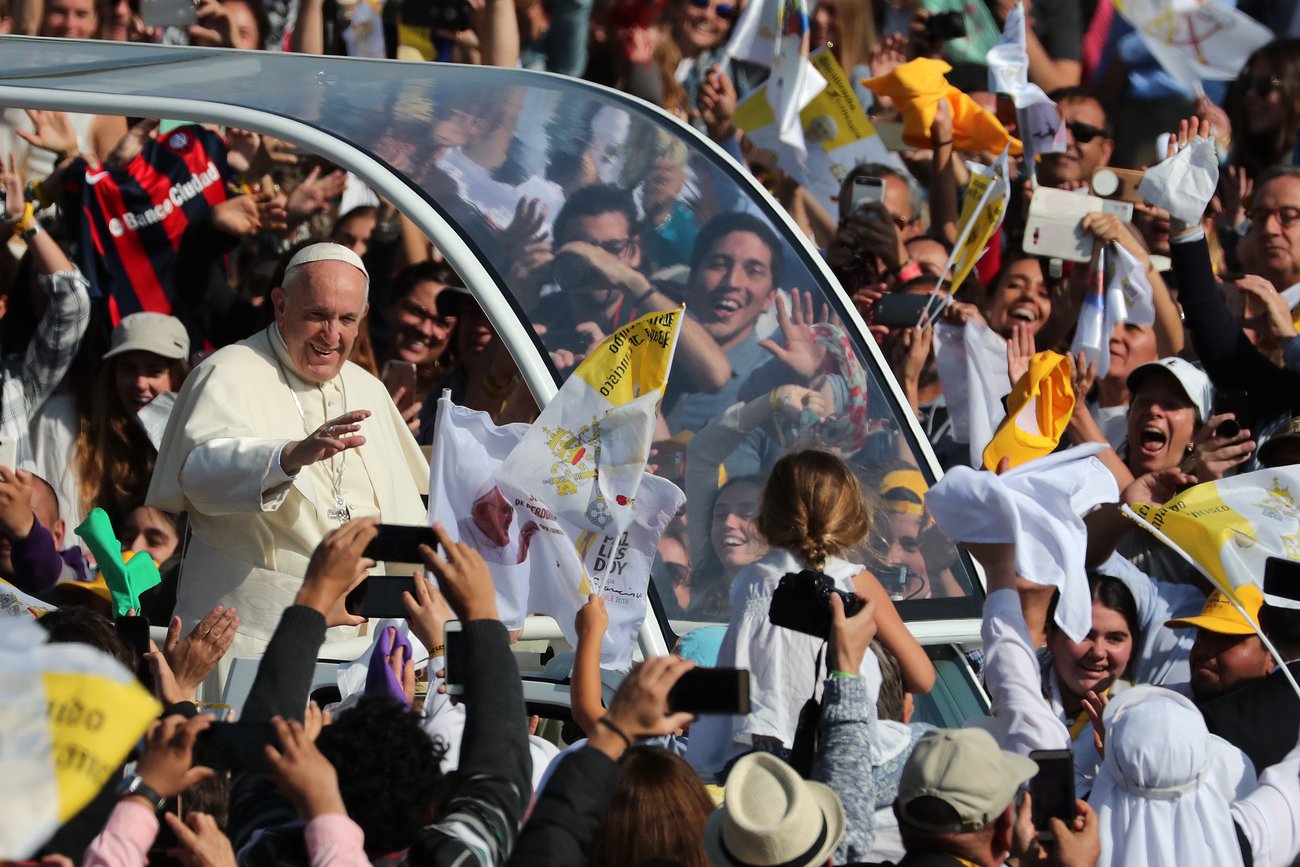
(327, 252)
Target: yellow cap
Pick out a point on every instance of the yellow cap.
(912, 483)
(1038, 410)
(1219, 615)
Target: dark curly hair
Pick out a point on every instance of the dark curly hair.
(84, 626)
(389, 771)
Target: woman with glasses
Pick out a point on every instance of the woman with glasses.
(1265, 108)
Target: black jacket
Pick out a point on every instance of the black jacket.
(1262, 718)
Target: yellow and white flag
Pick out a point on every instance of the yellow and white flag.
(563, 507)
(68, 717)
(1195, 39)
(585, 454)
(982, 211)
(837, 131)
(1228, 529)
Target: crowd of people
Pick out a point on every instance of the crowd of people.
(235, 350)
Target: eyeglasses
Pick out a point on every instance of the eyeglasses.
(723, 10)
(1084, 132)
(1263, 85)
(1288, 217)
(614, 246)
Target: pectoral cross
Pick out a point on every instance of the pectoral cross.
(340, 511)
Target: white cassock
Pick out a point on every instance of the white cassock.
(254, 527)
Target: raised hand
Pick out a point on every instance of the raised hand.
(336, 435)
(301, 772)
(194, 657)
(1020, 349)
(427, 612)
(200, 842)
(167, 765)
(1213, 456)
(801, 352)
(716, 104)
(315, 194)
(463, 577)
(592, 619)
(51, 131)
(130, 145)
(336, 567)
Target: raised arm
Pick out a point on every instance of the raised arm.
(918, 670)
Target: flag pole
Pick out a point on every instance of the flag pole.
(1228, 593)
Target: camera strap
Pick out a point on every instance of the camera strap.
(804, 749)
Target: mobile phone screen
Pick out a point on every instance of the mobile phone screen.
(454, 658)
(711, 691)
(380, 596)
(1052, 789)
(400, 543)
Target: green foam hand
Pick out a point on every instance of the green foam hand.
(125, 580)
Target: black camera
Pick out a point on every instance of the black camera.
(802, 602)
(945, 26)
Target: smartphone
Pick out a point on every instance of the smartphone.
(400, 375)
(899, 310)
(400, 543)
(1119, 184)
(1235, 402)
(169, 13)
(9, 452)
(380, 596)
(1052, 789)
(945, 26)
(134, 632)
(454, 658)
(711, 691)
(234, 746)
(865, 191)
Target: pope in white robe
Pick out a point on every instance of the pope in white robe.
(275, 441)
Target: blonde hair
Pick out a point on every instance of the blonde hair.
(856, 22)
(813, 504)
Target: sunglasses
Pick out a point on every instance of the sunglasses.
(1263, 85)
(1084, 132)
(723, 10)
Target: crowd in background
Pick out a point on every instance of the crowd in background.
(1182, 728)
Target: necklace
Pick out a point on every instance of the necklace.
(340, 512)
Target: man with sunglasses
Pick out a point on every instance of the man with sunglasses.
(1089, 144)
(599, 287)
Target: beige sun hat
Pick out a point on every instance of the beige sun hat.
(772, 816)
(966, 770)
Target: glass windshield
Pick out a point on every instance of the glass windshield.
(588, 208)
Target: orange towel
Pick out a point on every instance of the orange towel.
(916, 88)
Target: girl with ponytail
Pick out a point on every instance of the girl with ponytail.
(812, 511)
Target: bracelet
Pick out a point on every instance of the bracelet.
(615, 729)
(940, 144)
(775, 398)
(838, 673)
(637, 302)
(438, 650)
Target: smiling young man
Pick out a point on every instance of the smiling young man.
(1089, 144)
(278, 439)
(736, 267)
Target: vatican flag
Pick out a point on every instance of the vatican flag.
(1228, 529)
(68, 717)
(586, 453)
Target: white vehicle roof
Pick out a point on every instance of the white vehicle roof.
(401, 127)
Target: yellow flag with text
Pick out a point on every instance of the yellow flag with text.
(1230, 528)
(585, 454)
(69, 716)
(982, 211)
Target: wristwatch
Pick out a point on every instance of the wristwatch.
(135, 785)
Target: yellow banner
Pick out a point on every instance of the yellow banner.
(94, 722)
(981, 214)
(635, 359)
